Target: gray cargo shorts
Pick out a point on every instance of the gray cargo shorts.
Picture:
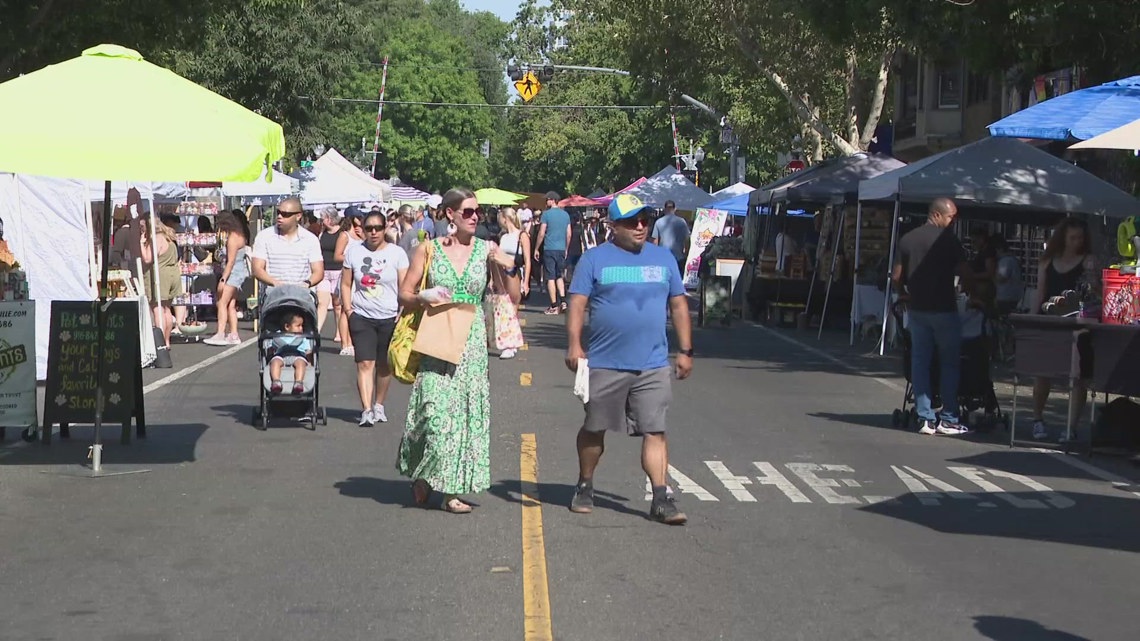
(633, 402)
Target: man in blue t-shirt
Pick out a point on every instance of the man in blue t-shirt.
(628, 284)
(553, 235)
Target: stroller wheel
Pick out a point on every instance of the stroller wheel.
(897, 419)
(324, 416)
(258, 417)
(912, 420)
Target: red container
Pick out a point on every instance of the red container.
(1120, 301)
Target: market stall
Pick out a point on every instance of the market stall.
(333, 180)
(996, 178)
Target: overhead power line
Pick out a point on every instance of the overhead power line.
(374, 101)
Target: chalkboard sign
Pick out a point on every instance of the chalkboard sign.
(72, 361)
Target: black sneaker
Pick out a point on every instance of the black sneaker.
(583, 501)
(666, 512)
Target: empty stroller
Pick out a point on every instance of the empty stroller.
(286, 397)
(975, 382)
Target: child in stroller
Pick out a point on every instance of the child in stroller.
(292, 349)
(975, 382)
(288, 348)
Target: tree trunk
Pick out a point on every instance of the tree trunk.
(878, 97)
(850, 113)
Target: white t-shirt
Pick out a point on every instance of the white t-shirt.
(375, 279)
(288, 260)
(525, 214)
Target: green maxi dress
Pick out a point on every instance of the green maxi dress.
(447, 434)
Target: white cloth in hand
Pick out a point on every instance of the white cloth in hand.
(582, 381)
(435, 295)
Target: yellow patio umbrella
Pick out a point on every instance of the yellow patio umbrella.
(110, 115)
(492, 196)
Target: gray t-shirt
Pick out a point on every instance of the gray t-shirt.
(375, 279)
(672, 232)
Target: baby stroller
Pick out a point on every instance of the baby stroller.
(975, 381)
(278, 304)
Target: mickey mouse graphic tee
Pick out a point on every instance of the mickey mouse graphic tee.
(375, 279)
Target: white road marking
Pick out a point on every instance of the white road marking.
(949, 489)
(920, 491)
(734, 484)
(689, 486)
(974, 475)
(1057, 500)
(1118, 482)
(822, 486)
(772, 476)
(197, 366)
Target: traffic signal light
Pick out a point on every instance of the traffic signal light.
(514, 72)
(546, 74)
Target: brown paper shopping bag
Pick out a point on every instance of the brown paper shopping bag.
(443, 331)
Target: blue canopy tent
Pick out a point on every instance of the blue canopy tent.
(738, 206)
(1080, 114)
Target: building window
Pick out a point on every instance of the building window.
(949, 87)
(977, 88)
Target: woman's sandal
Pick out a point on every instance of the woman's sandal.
(453, 505)
(420, 491)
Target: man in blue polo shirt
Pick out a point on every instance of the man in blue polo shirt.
(628, 284)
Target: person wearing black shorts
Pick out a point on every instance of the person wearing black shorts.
(369, 285)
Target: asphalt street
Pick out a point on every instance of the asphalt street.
(810, 518)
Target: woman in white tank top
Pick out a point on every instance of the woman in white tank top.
(508, 330)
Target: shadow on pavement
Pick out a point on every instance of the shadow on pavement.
(1096, 521)
(165, 444)
(1001, 628)
(879, 419)
(383, 491)
(559, 494)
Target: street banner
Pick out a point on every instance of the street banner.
(707, 225)
(17, 363)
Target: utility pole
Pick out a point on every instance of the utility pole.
(728, 137)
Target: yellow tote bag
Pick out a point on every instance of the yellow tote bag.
(405, 362)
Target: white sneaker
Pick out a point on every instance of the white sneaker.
(1040, 432)
(927, 428)
(366, 419)
(507, 354)
(951, 429)
(378, 414)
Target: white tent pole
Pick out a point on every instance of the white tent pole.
(855, 271)
(92, 259)
(890, 268)
(831, 274)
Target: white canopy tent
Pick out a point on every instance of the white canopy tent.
(253, 193)
(333, 180)
(670, 184)
(47, 223)
(995, 176)
(733, 190)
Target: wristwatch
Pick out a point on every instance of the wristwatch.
(686, 352)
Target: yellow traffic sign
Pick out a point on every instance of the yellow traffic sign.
(528, 86)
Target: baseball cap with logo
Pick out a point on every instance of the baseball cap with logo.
(626, 206)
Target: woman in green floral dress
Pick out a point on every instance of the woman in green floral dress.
(446, 443)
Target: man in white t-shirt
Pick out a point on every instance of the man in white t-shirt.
(288, 253)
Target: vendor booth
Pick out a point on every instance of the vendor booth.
(670, 184)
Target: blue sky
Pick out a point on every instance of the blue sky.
(505, 9)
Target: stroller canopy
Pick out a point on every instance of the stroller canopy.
(294, 297)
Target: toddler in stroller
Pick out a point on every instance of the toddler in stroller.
(975, 380)
(288, 351)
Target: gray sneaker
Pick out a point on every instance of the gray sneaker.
(583, 501)
(666, 512)
(378, 414)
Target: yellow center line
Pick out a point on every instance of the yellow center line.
(536, 588)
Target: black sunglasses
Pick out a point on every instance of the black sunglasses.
(374, 228)
(471, 211)
(633, 222)
(286, 214)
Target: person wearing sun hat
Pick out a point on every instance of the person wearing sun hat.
(628, 284)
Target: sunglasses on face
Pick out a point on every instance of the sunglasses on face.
(284, 213)
(373, 228)
(634, 222)
(470, 211)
